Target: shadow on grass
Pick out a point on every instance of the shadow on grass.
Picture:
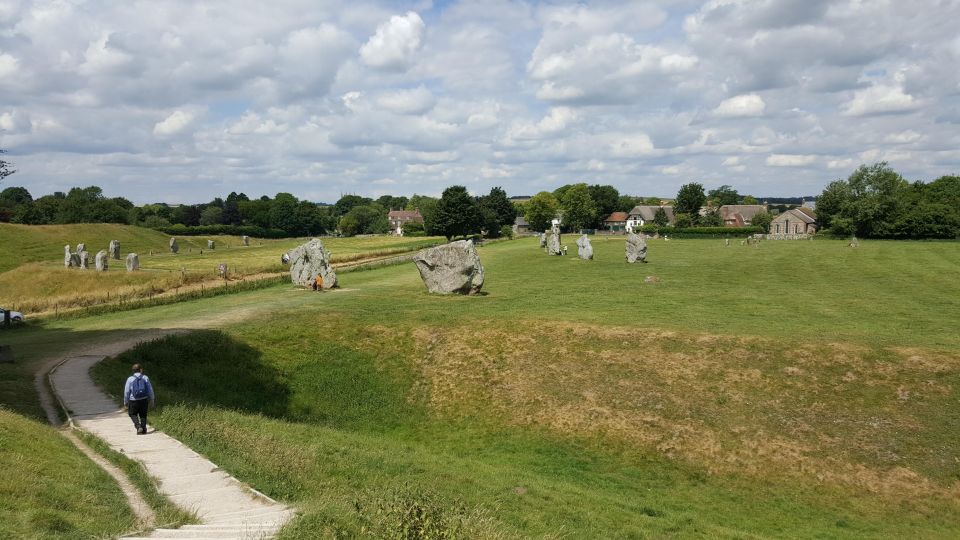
(204, 367)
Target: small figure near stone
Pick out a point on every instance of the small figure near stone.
(133, 262)
(211, 244)
(309, 261)
(285, 258)
(101, 260)
(636, 249)
(245, 240)
(84, 258)
(727, 242)
(174, 246)
(451, 268)
(543, 239)
(67, 257)
(854, 242)
(223, 271)
(115, 250)
(584, 248)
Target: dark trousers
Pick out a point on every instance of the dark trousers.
(137, 409)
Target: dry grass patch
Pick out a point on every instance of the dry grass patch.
(835, 413)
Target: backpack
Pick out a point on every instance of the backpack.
(138, 388)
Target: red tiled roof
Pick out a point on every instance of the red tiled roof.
(617, 216)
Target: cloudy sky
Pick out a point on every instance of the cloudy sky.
(184, 100)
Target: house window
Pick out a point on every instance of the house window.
(778, 228)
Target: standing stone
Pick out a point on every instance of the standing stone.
(211, 244)
(67, 256)
(309, 261)
(451, 268)
(174, 247)
(84, 259)
(101, 260)
(553, 243)
(133, 262)
(543, 239)
(636, 248)
(115, 250)
(81, 247)
(245, 240)
(584, 249)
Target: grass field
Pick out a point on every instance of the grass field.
(801, 389)
(33, 279)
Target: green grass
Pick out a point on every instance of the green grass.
(48, 488)
(799, 389)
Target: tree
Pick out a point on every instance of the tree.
(682, 220)
(231, 210)
(283, 212)
(498, 202)
(660, 218)
(349, 201)
(457, 213)
(211, 215)
(762, 219)
(689, 200)
(5, 167)
(723, 195)
(749, 199)
(625, 203)
(579, 210)
(16, 196)
(832, 203)
(605, 199)
(541, 210)
(712, 218)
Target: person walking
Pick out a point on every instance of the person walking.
(138, 397)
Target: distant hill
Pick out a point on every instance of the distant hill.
(787, 200)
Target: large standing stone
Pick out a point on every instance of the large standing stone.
(81, 247)
(246, 240)
(84, 259)
(174, 247)
(553, 243)
(115, 250)
(309, 261)
(101, 260)
(636, 248)
(584, 249)
(451, 268)
(67, 256)
(133, 262)
(211, 244)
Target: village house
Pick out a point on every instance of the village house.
(644, 214)
(740, 215)
(398, 217)
(616, 222)
(520, 226)
(794, 221)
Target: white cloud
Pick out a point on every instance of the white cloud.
(175, 123)
(407, 101)
(8, 65)
(741, 106)
(790, 160)
(395, 42)
(880, 99)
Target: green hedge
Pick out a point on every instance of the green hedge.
(232, 230)
(702, 232)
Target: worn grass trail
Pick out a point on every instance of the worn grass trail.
(793, 389)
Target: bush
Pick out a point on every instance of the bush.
(701, 232)
(506, 231)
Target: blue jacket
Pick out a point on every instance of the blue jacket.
(127, 398)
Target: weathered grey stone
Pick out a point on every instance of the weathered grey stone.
(309, 261)
(174, 246)
(75, 260)
(133, 262)
(211, 244)
(543, 239)
(451, 268)
(584, 249)
(115, 250)
(245, 240)
(81, 247)
(67, 256)
(223, 270)
(636, 248)
(84, 259)
(100, 260)
(553, 243)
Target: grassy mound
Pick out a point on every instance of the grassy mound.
(48, 489)
(573, 399)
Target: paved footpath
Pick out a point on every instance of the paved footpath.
(226, 508)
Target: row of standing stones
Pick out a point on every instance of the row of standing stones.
(81, 258)
(452, 268)
(636, 246)
(211, 244)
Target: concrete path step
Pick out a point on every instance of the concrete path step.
(227, 508)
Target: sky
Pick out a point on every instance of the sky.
(181, 101)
